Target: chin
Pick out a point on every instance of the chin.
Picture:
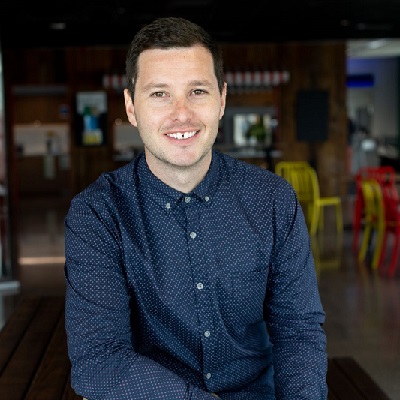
(192, 159)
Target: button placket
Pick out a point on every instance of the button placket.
(200, 275)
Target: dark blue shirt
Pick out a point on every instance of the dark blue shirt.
(174, 296)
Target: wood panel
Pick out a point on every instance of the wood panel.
(40, 108)
(313, 65)
(34, 361)
(32, 180)
(348, 381)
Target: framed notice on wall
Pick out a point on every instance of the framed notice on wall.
(91, 118)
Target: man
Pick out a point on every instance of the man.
(189, 273)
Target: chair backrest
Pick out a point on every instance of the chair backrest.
(385, 176)
(313, 177)
(390, 197)
(302, 177)
(283, 168)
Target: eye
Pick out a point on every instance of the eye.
(158, 94)
(199, 92)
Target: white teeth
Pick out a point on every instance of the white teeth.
(180, 135)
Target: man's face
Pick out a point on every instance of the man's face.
(177, 105)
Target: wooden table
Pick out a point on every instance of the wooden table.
(33, 352)
(34, 362)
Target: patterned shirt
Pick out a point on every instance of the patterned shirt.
(177, 296)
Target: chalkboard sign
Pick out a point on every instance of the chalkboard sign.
(312, 115)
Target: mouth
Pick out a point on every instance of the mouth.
(181, 135)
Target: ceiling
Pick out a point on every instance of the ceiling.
(382, 47)
(114, 22)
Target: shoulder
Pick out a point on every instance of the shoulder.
(107, 190)
(253, 178)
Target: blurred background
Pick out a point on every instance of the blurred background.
(321, 76)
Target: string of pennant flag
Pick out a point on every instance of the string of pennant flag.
(255, 80)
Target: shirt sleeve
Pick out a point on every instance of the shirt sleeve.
(294, 311)
(104, 364)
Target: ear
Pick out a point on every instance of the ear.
(130, 108)
(223, 101)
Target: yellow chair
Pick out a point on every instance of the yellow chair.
(293, 172)
(327, 251)
(283, 168)
(319, 203)
(374, 220)
(304, 180)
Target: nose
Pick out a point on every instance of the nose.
(181, 109)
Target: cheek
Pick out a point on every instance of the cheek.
(148, 121)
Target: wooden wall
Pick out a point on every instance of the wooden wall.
(316, 65)
(33, 76)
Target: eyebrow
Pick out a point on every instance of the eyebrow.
(196, 82)
(154, 85)
(200, 83)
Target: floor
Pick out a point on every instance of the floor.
(362, 307)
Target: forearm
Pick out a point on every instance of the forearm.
(295, 316)
(300, 369)
(105, 365)
(144, 380)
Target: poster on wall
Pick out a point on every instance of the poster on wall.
(91, 119)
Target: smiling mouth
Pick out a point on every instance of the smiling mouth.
(182, 135)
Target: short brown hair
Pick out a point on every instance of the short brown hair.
(169, 32)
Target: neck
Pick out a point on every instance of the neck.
(181, 178)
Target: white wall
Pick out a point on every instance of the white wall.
(384, 94)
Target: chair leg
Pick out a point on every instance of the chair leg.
(380, 245)
(357, 224)
(356, 234)
(364, 244)
(321, 219)
(394, 258)
(339, 217)
(314, 219)
(382, 250)
(310, 213)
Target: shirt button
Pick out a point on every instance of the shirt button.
(206, 198)
(193, 235)
(208, 375)
(168, 206)
(200, 286)
(207, 333)
(187, 199)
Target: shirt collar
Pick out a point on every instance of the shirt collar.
(167, 197)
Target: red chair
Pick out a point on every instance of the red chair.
(358, 213)
(390, 197)
(386, 177)
(374, 221)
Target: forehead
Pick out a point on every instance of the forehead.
(174, 59)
